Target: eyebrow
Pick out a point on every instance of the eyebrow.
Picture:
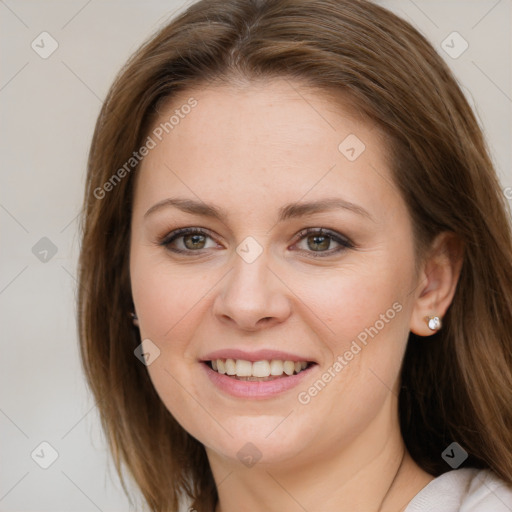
(289, 211)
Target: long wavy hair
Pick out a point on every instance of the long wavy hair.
(456, 387)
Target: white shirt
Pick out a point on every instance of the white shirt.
(464, 490)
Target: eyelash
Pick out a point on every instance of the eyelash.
(345, 243)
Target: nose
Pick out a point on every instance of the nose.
(252, 296)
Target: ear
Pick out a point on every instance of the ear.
(437, 281)
(135, 319)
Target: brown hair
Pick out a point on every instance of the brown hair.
(455, 387)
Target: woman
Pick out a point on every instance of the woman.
(295, 276)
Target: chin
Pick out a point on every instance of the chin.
(257, 440)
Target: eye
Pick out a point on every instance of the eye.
(190, 240)
(318, 240)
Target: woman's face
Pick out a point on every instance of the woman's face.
(273, 160)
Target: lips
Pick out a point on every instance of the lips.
(259, 374)
(257, 388)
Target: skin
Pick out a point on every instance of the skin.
(250, 149)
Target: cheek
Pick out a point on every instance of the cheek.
(364, 331)
(348, 301)
(166, 297)
(168, 303)
(362, 319)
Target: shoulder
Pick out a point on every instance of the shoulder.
(464, 490)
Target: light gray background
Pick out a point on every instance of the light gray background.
(48, 108)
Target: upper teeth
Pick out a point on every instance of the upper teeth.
(243, 368)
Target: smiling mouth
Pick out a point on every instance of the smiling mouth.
(259, 371)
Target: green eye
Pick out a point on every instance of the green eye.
(318, 240)
(194, 240)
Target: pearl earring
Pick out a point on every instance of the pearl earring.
(434, 322)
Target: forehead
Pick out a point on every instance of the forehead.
(276, 140)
